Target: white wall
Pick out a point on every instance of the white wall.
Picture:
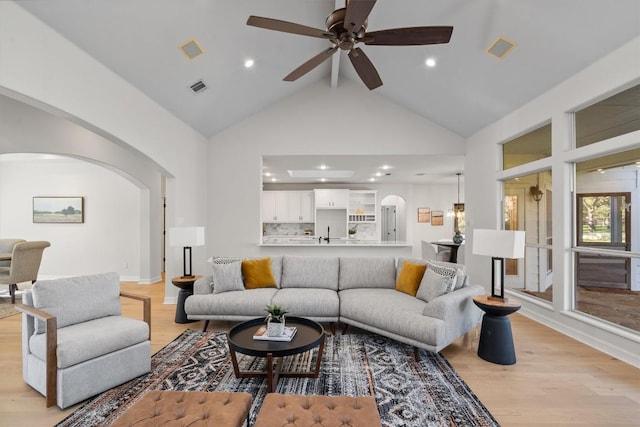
(311, 122)
(102, 243)
(42, 69)
(618, 70)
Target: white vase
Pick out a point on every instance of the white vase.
(275, 329)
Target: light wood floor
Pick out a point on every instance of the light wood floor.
(556, 381)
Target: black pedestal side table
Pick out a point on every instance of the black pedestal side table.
(496, 338)
(186, 289)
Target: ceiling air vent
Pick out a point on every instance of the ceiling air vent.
(198, 87)
(191, 49)
(501, 47)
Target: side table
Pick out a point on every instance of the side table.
(496, 338)
(186, 289)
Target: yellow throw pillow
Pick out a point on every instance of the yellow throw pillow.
(410, 277)
(258, 274)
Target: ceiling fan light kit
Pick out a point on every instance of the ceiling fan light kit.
(346, 27)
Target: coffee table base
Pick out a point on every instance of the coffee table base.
(273, 371)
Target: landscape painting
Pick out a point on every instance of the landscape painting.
(58, 209)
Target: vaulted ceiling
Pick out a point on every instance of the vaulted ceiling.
(466, 90)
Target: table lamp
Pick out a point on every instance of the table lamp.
(498, 244)
(186, 237)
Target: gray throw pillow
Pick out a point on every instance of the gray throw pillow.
(227, 277)
(433, 285)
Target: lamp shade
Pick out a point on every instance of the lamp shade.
(498, 243)
(186, 236)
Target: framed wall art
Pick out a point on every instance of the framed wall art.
(58, 210)
(437, 218)
(424, 214)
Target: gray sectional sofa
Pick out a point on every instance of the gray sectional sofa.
(358, 291)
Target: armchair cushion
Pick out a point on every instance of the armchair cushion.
(85, 341)
(78, 299)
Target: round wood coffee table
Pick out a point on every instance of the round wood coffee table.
(309, 335)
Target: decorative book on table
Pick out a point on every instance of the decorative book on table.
(287, 335)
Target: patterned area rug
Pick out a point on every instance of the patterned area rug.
(408, 393)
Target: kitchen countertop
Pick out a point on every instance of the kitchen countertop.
(311, 241)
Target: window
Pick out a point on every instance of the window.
(527, 206)
(614, 116)
(607, 249)
(527, 148)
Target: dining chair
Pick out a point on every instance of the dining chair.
(428, 251)
(6, 247)
(25, 263)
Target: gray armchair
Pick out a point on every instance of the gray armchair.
(76, 344)
(25, 263)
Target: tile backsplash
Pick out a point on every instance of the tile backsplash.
(287, 229)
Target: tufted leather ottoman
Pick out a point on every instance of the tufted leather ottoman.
(188, 408)
(285, 410)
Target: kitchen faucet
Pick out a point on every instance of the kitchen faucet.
(327, 238)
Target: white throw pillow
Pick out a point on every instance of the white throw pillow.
(433, 285)
(227, 277)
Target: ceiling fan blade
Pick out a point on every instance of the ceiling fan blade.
(365, 69)
(310, 64)
(409, 36)
(288, 27)
(357, 12)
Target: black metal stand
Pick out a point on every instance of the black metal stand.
(186, 274)
(496, 340)
(181, 315)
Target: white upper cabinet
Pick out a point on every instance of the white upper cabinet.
(287, 206)
(331, 199)
(275, 206)
(300, 206)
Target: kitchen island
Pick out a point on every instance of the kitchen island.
(320, 242)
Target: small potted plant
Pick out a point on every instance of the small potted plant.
(352, 233)
(275, 320)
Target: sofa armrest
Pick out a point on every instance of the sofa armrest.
(146, 306)
(51, 331)
(203, 286)
(456, 308)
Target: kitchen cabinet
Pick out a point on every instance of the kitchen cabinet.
(275, 206)
(331, 199)
(300, 206)
(362, 206)
(287, 206)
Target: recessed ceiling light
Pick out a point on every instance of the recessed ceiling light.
(323, 179)
(267, 174)
(323, 167)
(430, 62)
(378, 173)
(248, 63)
(385, 167)
(273, 180)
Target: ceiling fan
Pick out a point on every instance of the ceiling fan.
(346, 27)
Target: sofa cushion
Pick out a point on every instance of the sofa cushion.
(250, 302)
(257, 273)
(78, 299)
(367, 272)
(409, 278)
(433, 285)
(461, 274)
(394, 312)
(88, 340)
(308, 302)
(227, 277)
(310, 272)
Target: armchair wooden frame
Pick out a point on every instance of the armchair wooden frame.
(51, 330)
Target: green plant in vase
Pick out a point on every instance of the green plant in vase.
(352, 233)
(275, 319)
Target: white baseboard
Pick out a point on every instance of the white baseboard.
(627, 356)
